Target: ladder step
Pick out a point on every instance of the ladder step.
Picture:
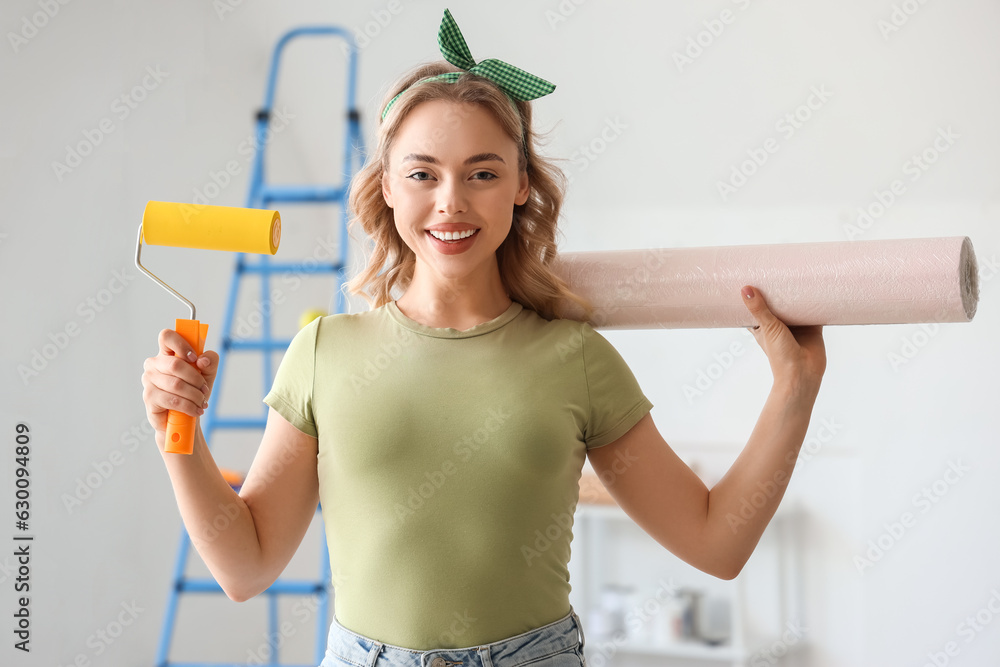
(255, 344)
(301, 193)
(194, 585)
(239, 422)
(280, 586)
(290, 267)
(296, 587)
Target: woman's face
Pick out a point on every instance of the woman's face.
(453, 169)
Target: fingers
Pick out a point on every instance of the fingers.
(171, 383)
(172, 343)
(208, 364)
(176, 369)
(166, 391)
(755, 303)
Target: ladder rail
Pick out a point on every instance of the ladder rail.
(258, 195)
(261, 195)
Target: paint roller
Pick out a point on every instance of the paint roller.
(207, 227)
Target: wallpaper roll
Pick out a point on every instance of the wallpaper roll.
(893, 281)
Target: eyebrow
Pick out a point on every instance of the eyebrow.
(478, 157)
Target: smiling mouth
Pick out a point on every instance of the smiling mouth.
(453, 241)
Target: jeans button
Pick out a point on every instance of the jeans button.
(438, 662)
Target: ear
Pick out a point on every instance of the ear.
(386, 193)
(523, 189)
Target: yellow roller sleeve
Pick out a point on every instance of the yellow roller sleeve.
(211, 227)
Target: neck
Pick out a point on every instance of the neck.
(458, 303)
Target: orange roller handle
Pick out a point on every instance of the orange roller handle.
(181, 426)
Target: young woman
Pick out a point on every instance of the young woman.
(444, 431)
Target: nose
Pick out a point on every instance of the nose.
(452, 197)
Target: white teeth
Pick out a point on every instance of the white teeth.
(452, 236)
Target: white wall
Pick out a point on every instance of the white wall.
(64, 238)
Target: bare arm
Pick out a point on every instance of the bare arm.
(743, 502)
(245, 539)
(711, 530)
(717, 530)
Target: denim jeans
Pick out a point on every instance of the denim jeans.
(558, 644)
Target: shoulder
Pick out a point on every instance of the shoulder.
(579, 339)
(352, 333)
(530, 318)
(344, 322)
(568, 336)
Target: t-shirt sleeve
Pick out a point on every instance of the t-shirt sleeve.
(616, 400)
(291, 393)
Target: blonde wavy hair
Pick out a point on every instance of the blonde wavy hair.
(523, 258)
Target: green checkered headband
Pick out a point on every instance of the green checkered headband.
(516, 83)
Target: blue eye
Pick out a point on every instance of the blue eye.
(478, 176)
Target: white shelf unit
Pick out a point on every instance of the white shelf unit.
(765, 600)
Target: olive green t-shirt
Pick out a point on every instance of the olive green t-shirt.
(449, 464)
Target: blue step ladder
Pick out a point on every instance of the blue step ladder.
(266, 196)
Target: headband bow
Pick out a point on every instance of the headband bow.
(515, 82)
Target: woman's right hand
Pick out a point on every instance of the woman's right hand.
(171, 383)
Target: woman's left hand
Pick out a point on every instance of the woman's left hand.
(797, 354)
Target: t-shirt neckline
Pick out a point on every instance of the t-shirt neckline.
(503, 318)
